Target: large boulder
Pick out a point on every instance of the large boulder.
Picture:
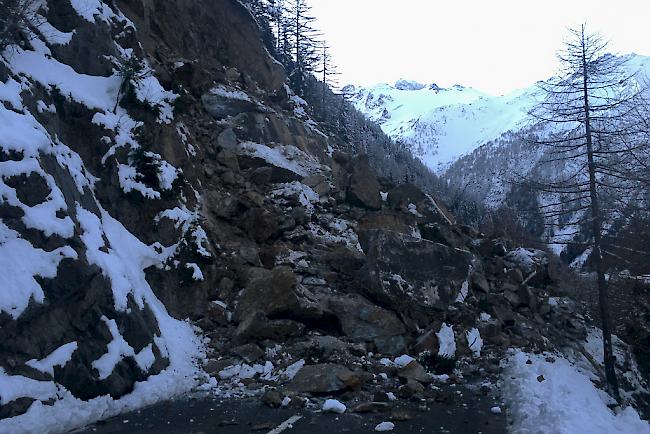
(271, 292)
(362, 321)
(412, 275)
(258, 326)
(363, 189)
(324, 378)
(410, 199)
(532, 262)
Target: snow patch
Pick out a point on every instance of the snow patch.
(447, 342)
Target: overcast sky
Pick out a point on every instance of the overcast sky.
(494, 45)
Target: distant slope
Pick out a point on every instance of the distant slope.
(440, 125)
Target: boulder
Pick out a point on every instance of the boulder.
(222, 102)
(411, 275)
(324, 378)
(248, 352)
(409, 198)
(272, 398)
(271, 292)
(533, 263)
(258, 326)
(414, 372)
(363, 189)
(362, 321)
(410, 389)
(260, 224)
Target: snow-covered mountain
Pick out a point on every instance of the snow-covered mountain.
(440, 125)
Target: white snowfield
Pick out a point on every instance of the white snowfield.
(442, 124)
(558, 397)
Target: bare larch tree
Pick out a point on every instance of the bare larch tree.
(594, 139)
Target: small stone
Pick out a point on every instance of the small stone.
(370, 407)
(385, 426)
(272, 398)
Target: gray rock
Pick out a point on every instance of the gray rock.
(363, 321)
(227, 139)
(271, 292)
(414, 372)
(221, 106)
(257, 326)
(410, 275)
(363, 189)
(324, 378)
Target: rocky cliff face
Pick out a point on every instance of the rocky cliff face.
(169, 209)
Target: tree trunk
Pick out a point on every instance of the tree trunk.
(596, 222)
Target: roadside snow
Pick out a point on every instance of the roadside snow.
(559, 398)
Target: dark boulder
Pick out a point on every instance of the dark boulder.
(412, 275)
(363, 189)
(363, 321)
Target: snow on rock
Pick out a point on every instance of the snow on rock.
(384, 426)
(464, 291)
(244, 371)
(20, 263)
(403, 360)
(70, 210)
(16, 386)
(474, 341)
(227, 93)
(197, 274)
(304, 194)
(88, 9)
(447, 342)
(117, 349)
(58, 357)
(334, 406)
(291, 370)
(565, 401)
(285, 156)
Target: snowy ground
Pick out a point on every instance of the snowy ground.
(548, 394)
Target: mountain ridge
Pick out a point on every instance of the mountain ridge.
(440, 125)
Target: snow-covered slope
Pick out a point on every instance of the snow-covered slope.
(442, 124)
(438, 124)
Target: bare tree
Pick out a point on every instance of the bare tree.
(595, 142)
(327, 71)
(304, 39)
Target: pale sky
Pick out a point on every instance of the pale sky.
(494, 45)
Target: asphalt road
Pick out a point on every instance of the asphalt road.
(464, 413)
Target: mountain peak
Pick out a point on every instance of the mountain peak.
(404, 84)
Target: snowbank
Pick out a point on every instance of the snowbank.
(550, 395)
